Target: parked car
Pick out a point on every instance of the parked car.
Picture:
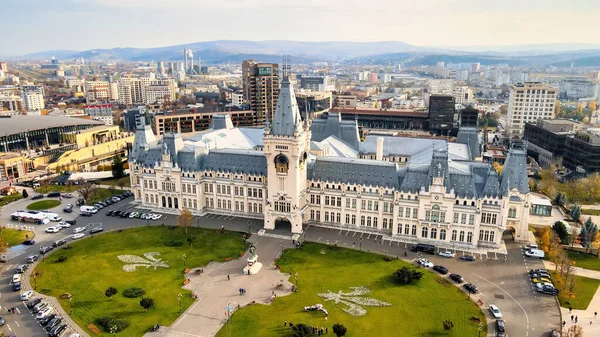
(59, 243)
(16, 278)
(57, 330)
(446, 254)
(32, 258)
(456, 278)
(125, 214)
(117, 213)
(133, 215)
(29, 242)
(53, 194)
(78, 236)
(54, 322)
(441, 269)
(40, 306)
(468, 258)
(44, 312)
(500, 325)
(72, 222)
(533, 271)
(535, 253)
(52, 229)
(32, 303)
(547, 289)
(86, 214)
(541, 280)
(37, 196)
(67, 195)
(425, 263)
(22, 268)
(45, 249)
(78, 230)
(495, 311)
(156, 216)
(16, 286)
(96, 230)
(63, 224)
(532, 246)
(27, 295)
(470, 287)
(540, 274)
(45, 320)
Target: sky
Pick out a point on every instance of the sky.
(41, 25)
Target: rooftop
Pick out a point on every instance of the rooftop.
(9, 155)
(387, 112)
(21, 123)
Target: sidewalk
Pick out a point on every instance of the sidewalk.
(586, 318)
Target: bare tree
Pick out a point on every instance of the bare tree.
(185, 219)
(573, 331)
(121, 183)
(85, 189)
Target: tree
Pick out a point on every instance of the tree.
(121, 183)
(147, 303)
(545, 239)
(85, 189)
(301, 330)
(408, 275)
(573, 331)
(497, 167)
(588, 233)
(185, 219)
(110, 291)
(593, 106)
(25, 194)
(561, 230)
(576, 212)
(448, 325)
(118, 170)
(3, 244)
(339, 330)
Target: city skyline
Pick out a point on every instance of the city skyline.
(460, 24)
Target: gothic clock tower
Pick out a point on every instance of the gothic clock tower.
(286, 146)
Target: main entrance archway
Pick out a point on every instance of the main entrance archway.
(283, 224)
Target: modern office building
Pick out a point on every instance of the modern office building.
(442, 114)
(546, 140)
(260, 82)
(582, 151)
(440, 196)
(529, 102)
(314, 103)
(97, 91)
(469, 116)
(391, 119)
(315, 83)
(189, 122)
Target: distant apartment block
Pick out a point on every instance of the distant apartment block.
(315, 83)
(529, 102)
(188, 122)
(546, 140)
(345, 101)
(97, 91)
(260, 83)
(463, 95)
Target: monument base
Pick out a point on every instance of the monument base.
(253, 269)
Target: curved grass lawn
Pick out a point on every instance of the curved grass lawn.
(43, 204)
(92, 266)
(417, 310)
(14, 237)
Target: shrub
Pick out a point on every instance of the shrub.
(174, 243)
(301, 330)
(448, 325)
(94, 329)
(109, 322)
(339, 330)
(25, 194)
(62, 258)
(147, 302)
(134, 292)
(408, 275)
(110, 291)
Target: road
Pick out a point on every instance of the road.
(503, 283)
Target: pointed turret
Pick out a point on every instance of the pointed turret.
(286, 119)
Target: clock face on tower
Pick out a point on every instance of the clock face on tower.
(281, 163)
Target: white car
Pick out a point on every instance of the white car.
(446, 254)
(495, 311)
(27, 295)
(78, 230)
(44, 312)
(78, 236)
(133, 214)
(156, 216)
(16, 278)
(425, 263)
(52, 229)
(75, 335)
(63, 224)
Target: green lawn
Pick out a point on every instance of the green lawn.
(115, 182)
(92, 266)
(101, 194)
(590, 211)
(585, 261)
(43, 204)
(585, 289)
(15, 237)
(57, 188)
(10, 198)
(417, 310)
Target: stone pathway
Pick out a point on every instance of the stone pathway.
(585, 317)
(206, 316)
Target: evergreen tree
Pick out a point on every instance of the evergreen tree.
(118, 169)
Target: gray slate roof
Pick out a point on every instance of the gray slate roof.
(514, 171)
(470, 137)
(235, 161)
(355, 171)
(347, 131)
(286, 119)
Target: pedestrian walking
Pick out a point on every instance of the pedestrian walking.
(595, 314)
(228, 278)
(222, 228)
(564, 323)
(590, 322)
(326, 330)
(576, 319)
(284, 323)
(571, 318)
(570, 309)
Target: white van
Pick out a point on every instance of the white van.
(89, 209)
(53, 217)
(535, 253)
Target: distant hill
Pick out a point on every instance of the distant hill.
(384, 52)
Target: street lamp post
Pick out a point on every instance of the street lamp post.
(71, 305)
(360, 243)
(179, 298)
(183, 258)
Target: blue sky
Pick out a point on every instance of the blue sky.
(40, 25)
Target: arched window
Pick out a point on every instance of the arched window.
(164, 201)
(362, 220)
(454, 235)
(465, 203)
(326, 216)
(384, 223)
(442, 234)
(176, 203)
(470, 237)
(492, 236)
(435, 207)
(512, 212)
(472, 203)
(462, 236)
(184, 202)
(170, 202)
(347, 219)
(338, 218)
(406, 229)
(318, 215)
(424, 232)
(486, 236)
(414, 230)
(457, 202)
(374, 222)
(312, 214)
(433, 233)
(369, 221)
(353, 219)
(481, 235)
